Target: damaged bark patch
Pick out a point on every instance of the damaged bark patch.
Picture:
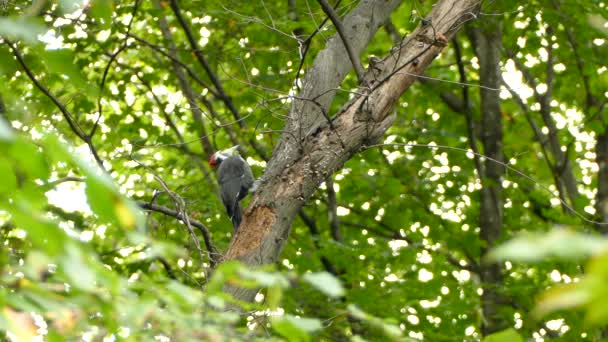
(258, 222)
(291, 176)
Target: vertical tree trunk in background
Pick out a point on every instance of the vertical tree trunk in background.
(488, 45)
(313, 147)
(182, 80)
(601, 199)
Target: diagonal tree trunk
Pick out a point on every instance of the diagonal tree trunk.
(314, 147)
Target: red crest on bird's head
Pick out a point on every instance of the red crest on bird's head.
(219, 156)
(212, 161)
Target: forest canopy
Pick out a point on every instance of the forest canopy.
(425, 170)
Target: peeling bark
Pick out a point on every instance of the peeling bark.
(314, 147)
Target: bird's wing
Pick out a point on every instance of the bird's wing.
(230, 181)
(246, 176)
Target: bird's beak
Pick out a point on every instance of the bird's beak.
(231, 151)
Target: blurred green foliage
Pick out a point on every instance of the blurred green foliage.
(80, 260)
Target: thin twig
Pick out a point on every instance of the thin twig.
(113, 57)
(213, 252)
(222, 94)
(507, 166)
(181, 208)
(305, 46)
(332, 210)
(203, 61)
(467, 110)
(54, 183)
(354, 58)
(74, 126)
(174, 59)
(189, 93)
(314, 232)
(167, 267)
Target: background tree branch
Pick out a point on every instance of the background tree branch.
(290, 179)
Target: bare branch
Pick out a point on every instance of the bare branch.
(392, 31)
(101, 86)
(213, 252)
(562, 167)
(74, 126)
(174, 59)
(66, 113)
(305, 45)
(54, 183)
(107, 68)
(354, 58)
(591, 100)
(467, 109)
(167, 267)
(314, 232)
(221, 92)
(298, 167)
(183, 82)
(332, 210)
(203, 61)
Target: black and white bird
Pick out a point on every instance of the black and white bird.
(235, 178)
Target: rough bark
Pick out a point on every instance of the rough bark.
(332, 65)
(601, 205)
(488, 46)
(313, 147)
(601, 198)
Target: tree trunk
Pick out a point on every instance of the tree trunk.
(601, 199)
(313, 147)
(488, 45)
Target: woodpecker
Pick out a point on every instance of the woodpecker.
(235, 178)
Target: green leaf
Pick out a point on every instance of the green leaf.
(326, 283)
(564, 296)
(31, 161)
(77, 268)
(6, 131)
(507, 335)
(559, 243)
(184, 295)
(305, 324)
(389, 330)
(274, 295)
(42, 232)
(9, 179)
(295, 329)
(589, 293)
(69, 6)
(102, 194)
(216, 302)
(102, 10)
(27, 29)
(265, 279)
(598, 22)
(21, 324)
(224, 271)
(62, 62)
(37, 264)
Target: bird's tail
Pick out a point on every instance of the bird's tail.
(237, 216)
